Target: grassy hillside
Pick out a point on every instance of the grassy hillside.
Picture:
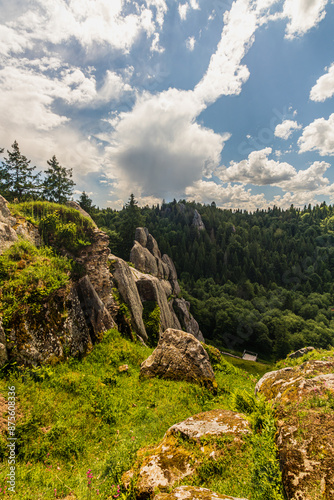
(81, 423)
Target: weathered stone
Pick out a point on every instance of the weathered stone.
(188, 323)
(153, 247)
(214, 422)
(123, 368)
(303, 398)
(97, 317)
(129, 292)
(172, 274)
(179, 356)
(164, 465)
(197, 221)
(76, 206)
(300, 352)
(193, 493)
(143, 260)
(141, 235)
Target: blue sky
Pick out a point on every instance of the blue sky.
(207, 100)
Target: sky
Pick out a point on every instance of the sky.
(206, 100)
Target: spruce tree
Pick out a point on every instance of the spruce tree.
(131, 219)
(17, 178)
(57, 185)
(86, 203)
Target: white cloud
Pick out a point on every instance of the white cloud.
(183, 10)
(303, 15)
(318, 136)
(257, 170)
(194, 4)
(156, 47)
(307, 180)
(285, 129)
(190, 43)
(161, 9)
(299, 199)
(158, 146)
(234, 197)
(226, 74)
(324, 88)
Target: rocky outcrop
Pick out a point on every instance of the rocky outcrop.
(300, 352)
(197, 221)
(181, 452)
(188, 323)
(126, 286)
(3, 346)
(193, 493)
(304, 401)
(179, 356)
(13, 227)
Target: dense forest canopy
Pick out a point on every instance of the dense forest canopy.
(260, 281)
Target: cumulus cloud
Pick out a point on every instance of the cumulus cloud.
(160, 148)
(324, 88)
(230, 196)
(257, 169)
(318, 136)
(307, 180)
(190, 43)
(183, 10)
(226, 74)
(285, 129)
(303, 15)
(299, 199)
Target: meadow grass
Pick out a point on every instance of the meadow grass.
(81, 423)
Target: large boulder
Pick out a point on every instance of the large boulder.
(193, 493)
(179, 356)
(304, 400)
(143, 260)
(185, 446)
(300, 352)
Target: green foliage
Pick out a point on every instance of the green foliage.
(266, 474)
(59, 225)
(58, 185)
(151, 319)
(17, 179)
(28, 276)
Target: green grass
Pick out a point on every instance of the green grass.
(28, 276)
(82, 415)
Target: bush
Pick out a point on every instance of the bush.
(151, 319)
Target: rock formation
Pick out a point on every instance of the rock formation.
(179, 356)
(75, 317)
(197, 221)
(173, 458)
(304, 399)
(300, 352)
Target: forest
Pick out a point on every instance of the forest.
(261, 281)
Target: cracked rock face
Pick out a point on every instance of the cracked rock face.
(181, 452)
(304, 398)
(179, 356)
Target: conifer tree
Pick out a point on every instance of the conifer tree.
(131, 219)
(17, 177)
(57, 185)
(86, 203)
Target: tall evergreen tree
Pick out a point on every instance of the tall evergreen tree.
(17, 177)
(131, 219)
(58, 184)
(86, 203)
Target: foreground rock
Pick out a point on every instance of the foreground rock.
(193, 493)
(163, 466)
(304, 398)
(179, 356)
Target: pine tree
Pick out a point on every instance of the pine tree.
(86, 203)
(57, 185)
(131, 219)
(17, 178)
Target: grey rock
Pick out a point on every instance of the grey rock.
(300, 352)
(197, 221)
(143, 260)
(128, 289)
(97, 317)
(179, 356)
(188, 323)
(152, 246)
(76, 206)
(141, 235)
(172, 274)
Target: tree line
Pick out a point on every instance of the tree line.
(20, 181)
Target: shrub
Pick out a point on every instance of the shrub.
(151, 319)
